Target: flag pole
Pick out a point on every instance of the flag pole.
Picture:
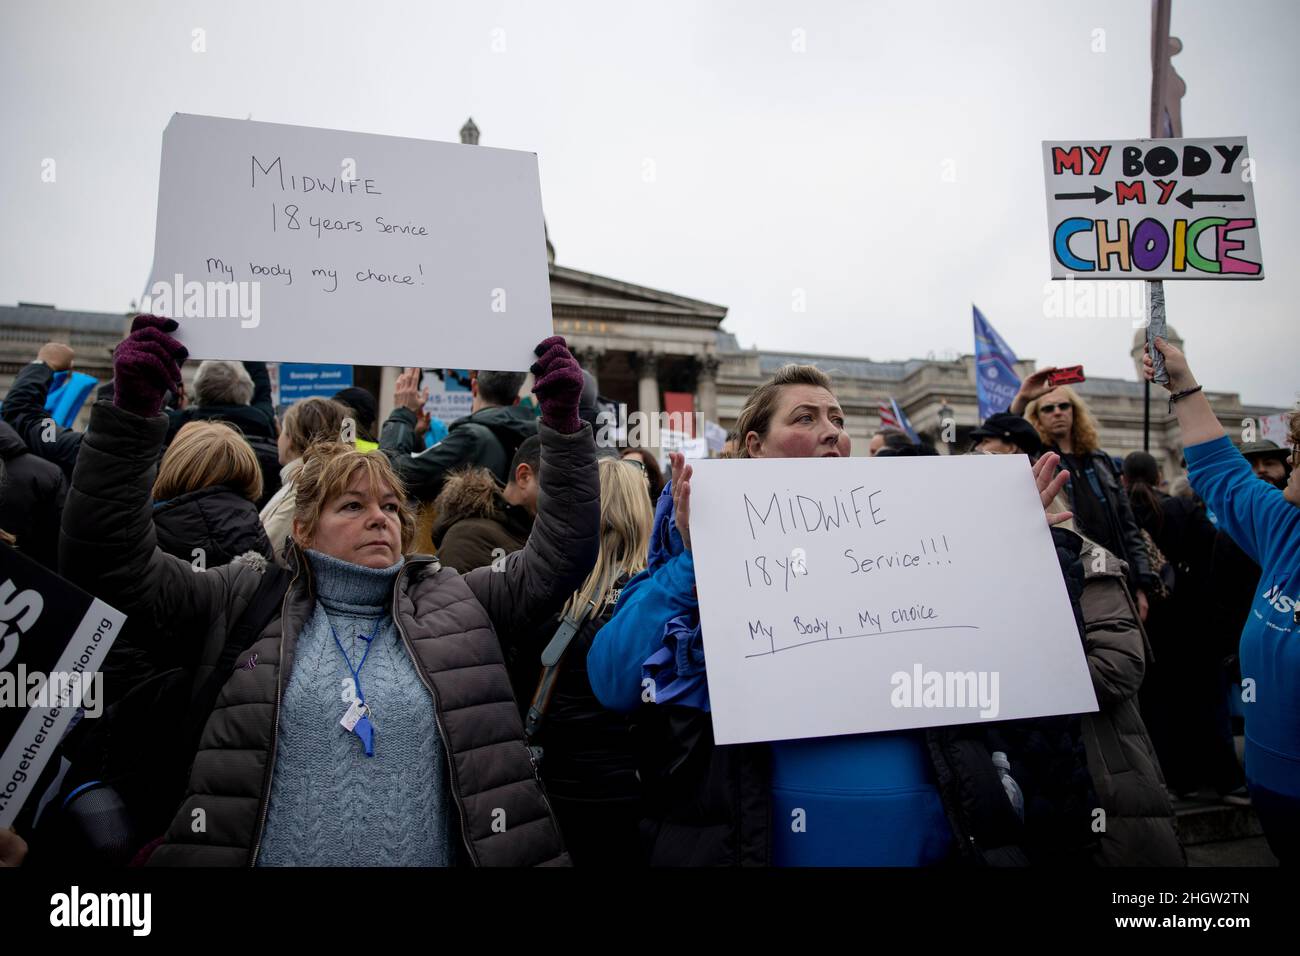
(1163, 123)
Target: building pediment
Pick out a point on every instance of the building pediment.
(574, 292)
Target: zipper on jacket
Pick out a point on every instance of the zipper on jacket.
(275, 719)
(437, 719)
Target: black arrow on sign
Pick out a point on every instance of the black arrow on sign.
(1190, 197)
(1098, 194)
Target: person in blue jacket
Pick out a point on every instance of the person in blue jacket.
(1265, 523)
(866, 799)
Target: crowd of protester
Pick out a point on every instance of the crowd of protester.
(274, 574)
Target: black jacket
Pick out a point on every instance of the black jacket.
(486, 439)
(218, 520)
(31, 498)
(255, 420)
(588, 751)
(1121, 514)
(24, 410)
(709, 805)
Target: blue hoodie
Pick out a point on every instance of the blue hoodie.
(857, 800)
(1267, 527)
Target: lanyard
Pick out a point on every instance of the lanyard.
(357, 719)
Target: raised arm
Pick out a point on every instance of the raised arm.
(24, 408)
(1255, 515)
(107, 544)
(562, 548)
(261, 391)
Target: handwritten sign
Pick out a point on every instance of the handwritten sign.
(854, 595)
(285, 243)
(1152, 209)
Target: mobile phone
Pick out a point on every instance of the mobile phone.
(1066, 376)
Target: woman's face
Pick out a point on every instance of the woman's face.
(808, 423)
(287, 452)
(358, 527)
(1292, 490)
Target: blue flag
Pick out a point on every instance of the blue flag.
(68, 392)
(996, 382)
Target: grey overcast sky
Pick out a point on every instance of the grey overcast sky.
(690, 147)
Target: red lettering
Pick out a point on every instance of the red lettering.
(1071, 159)
(1166, 190)
(1134, 191)
(1098, 157)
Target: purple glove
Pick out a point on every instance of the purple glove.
(146, 364)
(557, 385)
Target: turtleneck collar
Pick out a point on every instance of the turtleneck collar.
(350, 586)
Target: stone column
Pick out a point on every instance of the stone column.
(706, 389)
(589, 358)
(387, 382)
(647, 368)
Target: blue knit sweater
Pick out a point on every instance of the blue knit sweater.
(330, 804)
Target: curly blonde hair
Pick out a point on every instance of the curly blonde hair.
(1083, 433)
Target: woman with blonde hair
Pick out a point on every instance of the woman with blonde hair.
(370, 720)
(587, 758)
(305, 423)
(1094, 492)
(204, 507)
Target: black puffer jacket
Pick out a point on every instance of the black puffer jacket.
(217, 521)
(31, 499)
(256, 421)
(486, 439)
(447, 623)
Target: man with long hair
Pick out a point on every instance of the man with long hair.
(1101, 507)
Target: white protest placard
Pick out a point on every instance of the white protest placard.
(1152, 209)
(852, 595)
(715, 436)
(286, 243)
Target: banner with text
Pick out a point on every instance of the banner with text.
(872, 596)
(1152, 209)
(53, 641)
(287, 243)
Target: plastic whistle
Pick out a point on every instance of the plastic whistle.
(365, 730)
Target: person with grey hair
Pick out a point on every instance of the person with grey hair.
(487, 437)
(238, 393)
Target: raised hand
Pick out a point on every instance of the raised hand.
(56, 355)
(1032, 387)
(681, 496)
(146, 365)
(1180, 374)
(407, 392)
(1049, 487)
(558, 385)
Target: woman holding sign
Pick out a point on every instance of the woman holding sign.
(371, 721)
(1265, 523)
(909, 798)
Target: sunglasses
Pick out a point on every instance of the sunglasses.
(634, 462)
(1048, 409)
